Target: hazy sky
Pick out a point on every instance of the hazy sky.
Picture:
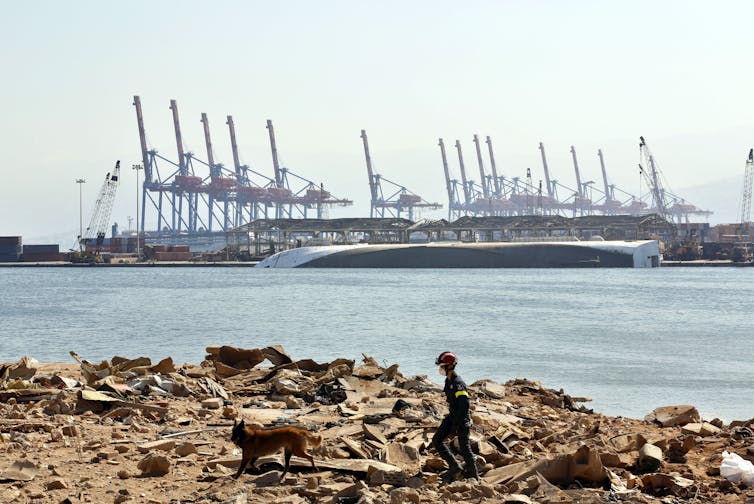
(593, 74)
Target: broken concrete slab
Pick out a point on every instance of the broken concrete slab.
(668, 483)
(161, 445)
(19, 470)
(584, 464)
(703, 429)
(670, 416)
(650, 457)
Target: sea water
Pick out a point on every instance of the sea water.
(631, 339)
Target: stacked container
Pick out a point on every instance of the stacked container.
(168, 252)
(41, 253)
(10, 248)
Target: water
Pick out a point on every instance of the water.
(631, 339)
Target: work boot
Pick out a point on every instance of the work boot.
(470, 471)
(472, 475)
(451, 474)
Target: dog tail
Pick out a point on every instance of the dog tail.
(314, 439)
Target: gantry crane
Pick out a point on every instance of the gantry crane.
(95, 231)
(610, 205)
(455, 207)
(402, 199)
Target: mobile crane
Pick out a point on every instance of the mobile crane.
(742, 251)
(94, 235)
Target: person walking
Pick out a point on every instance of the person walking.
(458, 419)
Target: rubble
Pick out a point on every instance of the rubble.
(90, 432)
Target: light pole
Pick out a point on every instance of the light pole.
(137, 167)
(80, 181)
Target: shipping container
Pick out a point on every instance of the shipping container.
(10, 253)
(9, 256)
(172, 256)
(178, 248)
(93, 247)
(42, 257)
(10, 240)
(38, 249)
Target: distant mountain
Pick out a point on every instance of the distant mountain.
(722, 196)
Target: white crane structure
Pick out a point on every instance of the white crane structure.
(97, 228)
(672, 208)
(746, 196)
(653, 178)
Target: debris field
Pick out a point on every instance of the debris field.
(130, 430)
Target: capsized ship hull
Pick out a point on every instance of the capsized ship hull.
(576, 254)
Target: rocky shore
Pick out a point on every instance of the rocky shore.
(130, 430)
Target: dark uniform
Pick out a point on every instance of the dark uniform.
(458, 419)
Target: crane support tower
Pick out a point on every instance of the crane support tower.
(400, 200)
(94, 235)
(746, 196)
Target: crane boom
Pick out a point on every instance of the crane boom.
(275, 163)
(547, 170)
(234, 147)
(102, 209)
(482, 177)
(466, 193)
(604, 175)
(746, 197)
(178, 139)
(579, 187)
(448, 182)
(370, 172)
(494, 168)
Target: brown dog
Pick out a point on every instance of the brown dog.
(256, 442)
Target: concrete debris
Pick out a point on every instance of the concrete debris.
(81, 431)
(669, 416)
(703, 429)
(154, 465)
(650, 457)
(20, 470)
(24, 369)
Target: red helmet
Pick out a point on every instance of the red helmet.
(447, 359)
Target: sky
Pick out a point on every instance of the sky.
(592, 74)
